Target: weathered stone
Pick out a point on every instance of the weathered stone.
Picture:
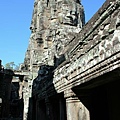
(53, 23)
(58, 61)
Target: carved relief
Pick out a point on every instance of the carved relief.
(51, 24)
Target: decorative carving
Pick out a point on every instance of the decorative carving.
(51, 25)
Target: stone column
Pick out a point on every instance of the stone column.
(26, 106)
(75, 108)
(27, 94)
(26, 97)
(21, 87)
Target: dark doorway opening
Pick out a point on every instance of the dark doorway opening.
(101, 100)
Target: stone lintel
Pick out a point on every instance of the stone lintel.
(21, 73)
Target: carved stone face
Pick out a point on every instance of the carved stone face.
(69, 16)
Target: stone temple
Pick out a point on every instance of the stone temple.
(71, 70)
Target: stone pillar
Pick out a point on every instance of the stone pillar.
(26, 97)
(21, 87)
(27, 93)
(75, 108)
(26, 106)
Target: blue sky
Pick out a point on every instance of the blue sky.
(15, 19)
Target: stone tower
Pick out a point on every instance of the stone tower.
(53, 23)
(52, 27)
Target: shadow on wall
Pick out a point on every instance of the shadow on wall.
(45, 75)
(39, 103)
(11, 105)
(45, 103)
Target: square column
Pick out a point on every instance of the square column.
(75, 109)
